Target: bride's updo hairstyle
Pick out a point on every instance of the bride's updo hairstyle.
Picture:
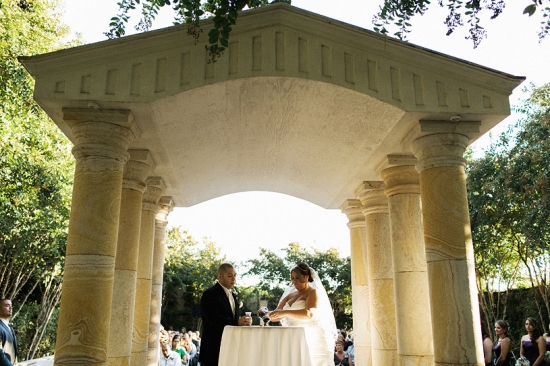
(304, 270)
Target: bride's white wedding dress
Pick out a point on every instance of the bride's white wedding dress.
(320, 341)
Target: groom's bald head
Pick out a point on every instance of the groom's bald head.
(223, 268)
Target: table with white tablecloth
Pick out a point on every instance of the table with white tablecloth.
(264, 346)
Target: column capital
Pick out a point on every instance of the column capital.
(455, 124)
(354, 211)
(100, 134)
(371, 194)
(439, 150)
(137, 169)
(155, 189)
(120, 117)
(401, 180)
(166, 205)
(392, 160)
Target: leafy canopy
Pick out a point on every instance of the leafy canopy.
(392, 14)
(224, 14)
(399, 13)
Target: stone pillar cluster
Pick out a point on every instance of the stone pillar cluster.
(413, 277)
(412, 253)
(110, 307)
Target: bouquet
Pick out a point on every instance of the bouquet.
(522, 361)
(547, 357)
(264, 318)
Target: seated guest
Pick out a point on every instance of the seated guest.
(347, 342)
(340, 357)
(193, 337)
(191, 350)
(179, 350)
(168, 357)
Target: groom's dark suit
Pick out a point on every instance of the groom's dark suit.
(216, 314)
(9, 344)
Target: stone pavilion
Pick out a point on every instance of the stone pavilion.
(299, 104)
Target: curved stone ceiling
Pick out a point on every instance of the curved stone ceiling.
(299, 104)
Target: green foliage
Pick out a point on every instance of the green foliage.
(35, 174)
(25, 325)
(400, 12)
(224, 14)
(509, 196)
(273, 273)
(189, 269)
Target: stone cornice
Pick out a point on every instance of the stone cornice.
(277, 40)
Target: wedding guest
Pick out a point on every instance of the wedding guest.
(347, 342)
(547, 339)
(168, 357)
(487, 345)
(8, 340)
(340, 357)
(191, 350)
(176, 347)
(503, 349)
(195, 341)
(533, 344)
(219, 307)
(198, 338)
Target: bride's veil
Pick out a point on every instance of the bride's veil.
(324, 311)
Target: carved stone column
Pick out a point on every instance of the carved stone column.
(101, 140)
(449, 249)
(359, 282)
(137, 169)
(142, 307)
(412, 297)
(166, 206)
(382, 309)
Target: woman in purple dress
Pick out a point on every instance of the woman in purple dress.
(533, 344)
(503, 349)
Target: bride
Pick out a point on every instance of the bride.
(305, 303)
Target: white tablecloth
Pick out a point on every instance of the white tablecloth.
(264, 346)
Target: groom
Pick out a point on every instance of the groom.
(219, 307)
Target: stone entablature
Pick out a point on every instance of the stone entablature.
(279, 41)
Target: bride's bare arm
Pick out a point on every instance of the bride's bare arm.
(305, 313)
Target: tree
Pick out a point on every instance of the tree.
(35, 174)
(393, 13)
(189, 269)
(509, 195)
(224, 14)
(399, 13)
